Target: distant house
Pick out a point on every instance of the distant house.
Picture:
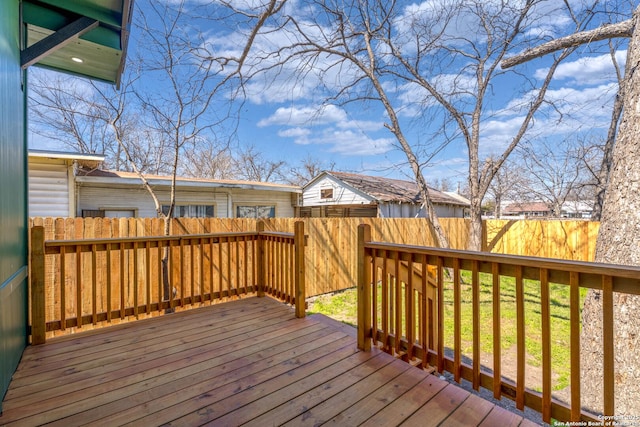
(569, 209)
(340, 194)
(52, 181)
(577, 209)
(71, 185)
(527, 210)
(120, 194)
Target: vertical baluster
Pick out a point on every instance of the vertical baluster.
(245, 252)
(440, 310)
(147, 257)
(122, 285)
(425, 321)
(192, 272)
(94, 286)
(374, 300)
(172, 284)
(497, 375)
(211, 269)
(385, 302)
(574, 307)
(410, 309)
(229, 284)
(545, 310)
(181, 301)
(457, 322)
(607, 346)
(78, 286)
(237, 263)
(160, 278)
(108, 256)
(520, 340)
(475, 291)
(63, 289)
(135, 279)
(398, 302)
(201, 250)
(220, 275)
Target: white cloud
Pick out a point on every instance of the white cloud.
(352, 143)
(294, 133)
(305, 116)
(329, 126)
(587, 70)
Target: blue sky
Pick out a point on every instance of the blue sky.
(285, 119)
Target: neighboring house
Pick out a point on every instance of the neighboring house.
(577, 209)
(71, 185)
(52, 181)
(570, 209)
(121, 194)
(340, 194)
(527, 210)
(87, 38)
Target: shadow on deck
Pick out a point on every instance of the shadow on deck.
(249, 361)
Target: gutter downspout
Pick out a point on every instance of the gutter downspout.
(229, 204)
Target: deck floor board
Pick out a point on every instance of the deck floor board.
(244, 362)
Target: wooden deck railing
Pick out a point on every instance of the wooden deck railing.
(107, 280)
(398, 314)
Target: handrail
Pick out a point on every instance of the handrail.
(394, 313)
(109, 279)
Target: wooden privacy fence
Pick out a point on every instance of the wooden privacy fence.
(330, 261)
(399, 315)
(95, 281)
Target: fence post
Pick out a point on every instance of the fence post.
(299, 271)
(364, 289)
(38, 324)
(260, 259)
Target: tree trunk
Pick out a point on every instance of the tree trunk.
(166, 282)
(618, 243)
(605, 167)
(475, 231)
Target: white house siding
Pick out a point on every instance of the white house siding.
(49, 192)
(281, 200)
(449, 211)
(94, 197)
(341, 194)
(114, 198)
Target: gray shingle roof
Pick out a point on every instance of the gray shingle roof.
(393, 190)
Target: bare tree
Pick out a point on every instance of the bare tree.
(507, 184)
(554, 171)
(308, 169)
(371, 51)
(619, 235)
(251, 165)
(208, 160)
(63, 109)
(180, 103)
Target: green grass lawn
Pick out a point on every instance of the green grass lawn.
(342, 306)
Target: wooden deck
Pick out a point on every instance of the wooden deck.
(248, 361)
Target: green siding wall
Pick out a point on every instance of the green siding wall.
(13, 193)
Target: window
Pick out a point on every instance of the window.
(326, 193)
(255, 211)
(190, 211)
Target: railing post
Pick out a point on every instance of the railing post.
(260, 282)
(38, 325)
(299, 271)
(364, 289)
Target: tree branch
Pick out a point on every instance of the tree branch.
(621, 29)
